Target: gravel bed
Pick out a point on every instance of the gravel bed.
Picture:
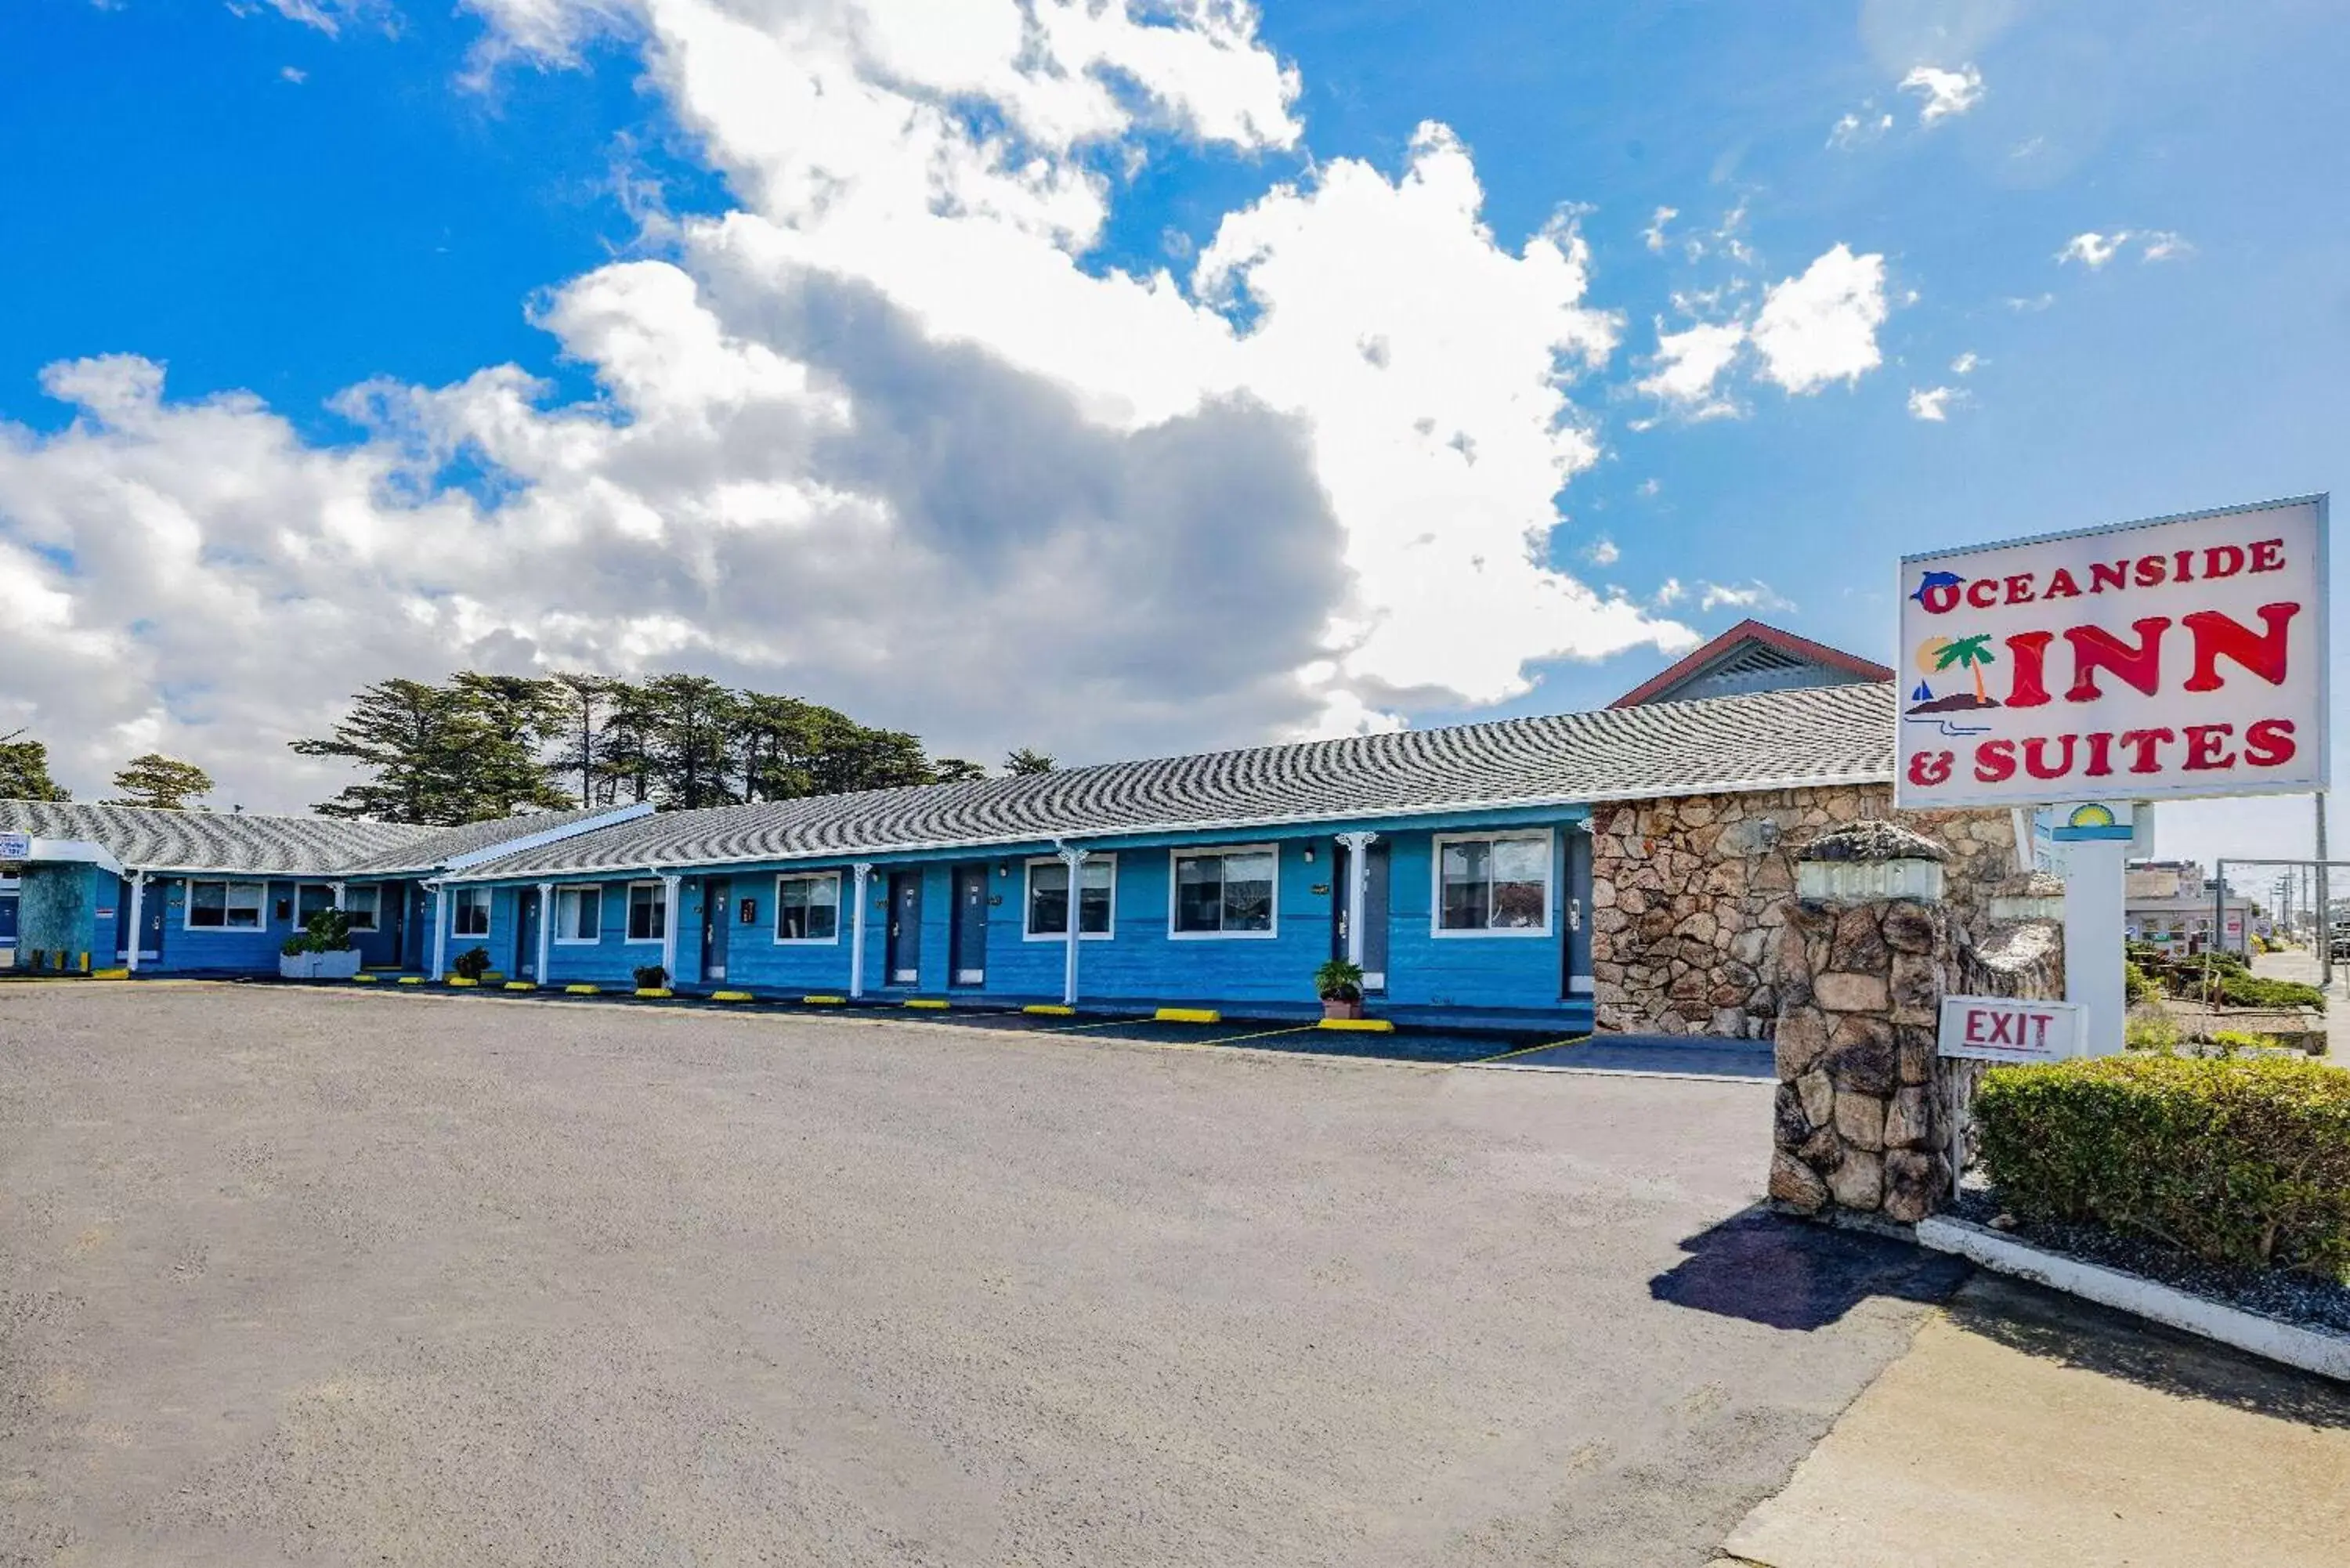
(2300, 1299)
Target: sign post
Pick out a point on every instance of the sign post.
(2175, 657)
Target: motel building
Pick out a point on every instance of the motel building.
(1628, 868)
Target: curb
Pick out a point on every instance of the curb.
(2327, 1354)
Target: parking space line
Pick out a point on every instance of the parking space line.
(1260, 1035)
(1527, 1050)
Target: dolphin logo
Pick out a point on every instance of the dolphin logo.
(1930, 581)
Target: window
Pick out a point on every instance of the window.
(807, 909)
(472, 918)
(363, 907)
(578, 914)
(1048, 898)
(225, 905)
(648, 912)
(1225, 892)
(1493, 885)
(309, 898)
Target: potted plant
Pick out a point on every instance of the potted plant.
(1339, 984)
(471, 964)
(321, 950)
(651, 980)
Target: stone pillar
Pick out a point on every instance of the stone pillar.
(1861, 1126)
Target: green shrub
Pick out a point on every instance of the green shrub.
(326, 931)
(650, 977)
(472, 963)
(2245, 991)
(2243, 1162)
(2139, 985)
(2151, 1029)
(2231, 1040)
(1338, 980)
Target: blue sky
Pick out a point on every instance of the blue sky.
(296, 198)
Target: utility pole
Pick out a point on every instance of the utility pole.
(2325, 902)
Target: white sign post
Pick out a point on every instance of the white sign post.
(2184, 656)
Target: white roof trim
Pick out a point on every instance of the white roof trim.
(1146, 830)
(74, 849)
(546, 837)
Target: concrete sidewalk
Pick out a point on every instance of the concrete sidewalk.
(2025, 1429)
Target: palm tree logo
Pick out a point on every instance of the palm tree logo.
(1970, 654)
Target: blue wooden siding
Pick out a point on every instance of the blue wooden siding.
(1141, 961)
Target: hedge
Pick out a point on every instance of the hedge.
(2242, 1162)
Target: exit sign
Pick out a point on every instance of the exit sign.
(2002, 1029)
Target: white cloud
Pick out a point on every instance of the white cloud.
(2022, 305)
(1932, 404)
(1655, 233)
(1964, 365)
(294, 74)
(1945, 93)
(1751, 596)
(1690, 365)
(853, 435)
(1820, 326)
(1860, 127)
(1603, 552)
(1648, 487)
(328, 17)
(2092, 249)
(1670, 593)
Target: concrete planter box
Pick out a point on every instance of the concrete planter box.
(318, 966)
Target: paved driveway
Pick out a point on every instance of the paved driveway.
(310, 1277)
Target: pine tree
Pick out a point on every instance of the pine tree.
(507, 721)
(691, 718)
(406, 732)
(957, 769)
(25, 772)
(1026, 761)
(160, 783)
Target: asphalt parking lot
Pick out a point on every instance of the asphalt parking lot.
(310, 1277)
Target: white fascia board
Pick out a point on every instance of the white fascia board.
(75, 849)
(1222, 825)
(548, 836)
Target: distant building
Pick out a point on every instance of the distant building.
(2170, 904)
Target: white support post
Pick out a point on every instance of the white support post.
(669, 885)
(864, 869)
(545, 927)
(336, 888)
(1359, 879)
(440, 932)
(2093, 920)
(1075, 859)
(137, 923)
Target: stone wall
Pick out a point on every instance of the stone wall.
(1689, 898)
(1863, 1121)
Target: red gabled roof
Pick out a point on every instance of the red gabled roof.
(1750, 630)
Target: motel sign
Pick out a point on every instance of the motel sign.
(2184, 656)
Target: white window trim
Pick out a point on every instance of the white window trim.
(260, 910)
(459, 898)
(372, 891)
(1028, 899)
(627, 909)
(839, 903)
(576, 890)
(1174, 890)
(1436, 926)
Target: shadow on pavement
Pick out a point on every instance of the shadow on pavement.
(1787, 1273)
(2056, 1327)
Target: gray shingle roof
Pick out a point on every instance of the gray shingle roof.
(270, 845)
(211, 840)
(1763, 741)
